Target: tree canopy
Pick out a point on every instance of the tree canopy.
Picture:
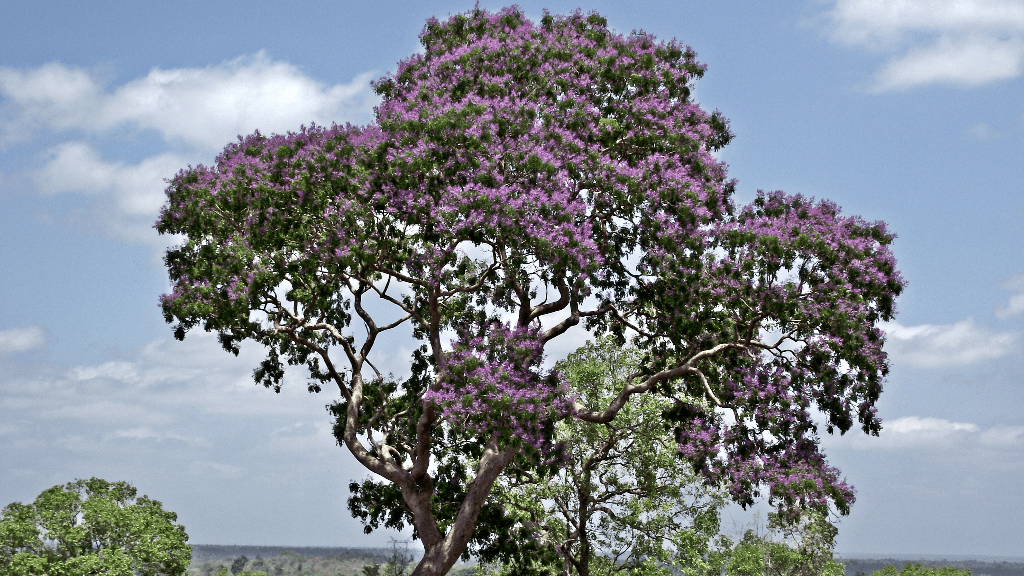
(92, 527)
(621, 501)
(523, 180)
(801, 548)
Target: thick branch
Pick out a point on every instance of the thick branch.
(439, 557)
(564, 296)
(572, 320)
(623, 396)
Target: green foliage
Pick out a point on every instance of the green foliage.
(91, 527)
(800, 549)
(913, 569)
(622, 499)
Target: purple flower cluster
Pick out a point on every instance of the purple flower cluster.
(804, 288)
(771, 442)
(493, 384)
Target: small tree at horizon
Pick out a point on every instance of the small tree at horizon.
(521, 180)
(92, 527)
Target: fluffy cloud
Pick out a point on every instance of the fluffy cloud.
(1015, 305)
(933, 346)
(913, 425)
(915, 432)
(127, 196)
(195, 111)
(15, 340)
(78, 167)
(961, 61)
(203, 108)
(165, 384)
(960, 42)
(184, 422)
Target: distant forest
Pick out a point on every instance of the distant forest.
(208, 560)
(865, 567)
(211, 560)
(208, 552)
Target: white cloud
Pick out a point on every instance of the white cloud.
(961, 61)
(167, 381)
(129, 195)
(959, 42)
(197, 111)
(117, 370)
(187, 401)
(137, 188)
(204, 108)
(15, 340)
(885, 21)
(913, 425)
(1003, 436)
(915, 432)
(146, 433)
(931, 346)
(982, 131)
(1015, 305)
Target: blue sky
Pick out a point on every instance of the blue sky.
(908, 112)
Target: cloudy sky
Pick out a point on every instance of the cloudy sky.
(910, 112)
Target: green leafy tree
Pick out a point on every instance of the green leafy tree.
(92, 527)
(621, 501)
(238, 564)
(801, 548)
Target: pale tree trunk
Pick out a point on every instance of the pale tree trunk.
(440, 555)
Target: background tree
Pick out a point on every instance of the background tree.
(92, 527)
(801, 548)
(622, 501)
(523, 179)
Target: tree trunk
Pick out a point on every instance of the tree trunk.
(438, 559)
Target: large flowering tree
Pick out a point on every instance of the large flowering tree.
(522, 179)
